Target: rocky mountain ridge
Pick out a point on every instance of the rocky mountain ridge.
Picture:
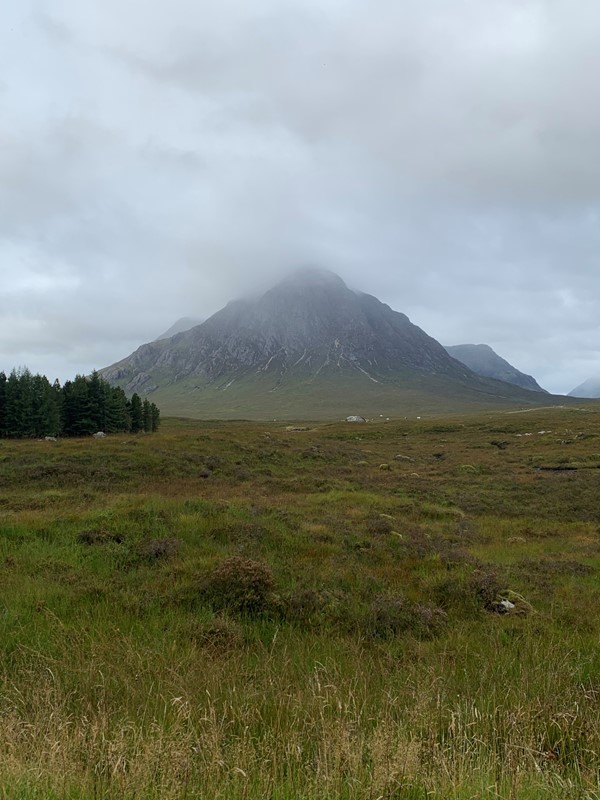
(306, 347)
(486, 362)
(309, 322)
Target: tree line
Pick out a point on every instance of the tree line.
(31, 406)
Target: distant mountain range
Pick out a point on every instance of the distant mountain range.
(309, 348)
(588, 389)
(484, 361)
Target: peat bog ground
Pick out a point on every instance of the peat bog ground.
(403, 609)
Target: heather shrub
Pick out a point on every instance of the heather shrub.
(158, 549)
(213, 462)
(305, 605)
(240, 585)
(485, 586)
(338, 609)
(454, 592)
(379, 526)
(391, 615)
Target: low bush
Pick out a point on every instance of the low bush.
(305, 605)
(452, 592)
(240, 586)
(338, 609)
(379, 526)
(485, 585)
(213, 462)
(391, 615)
(158, 549)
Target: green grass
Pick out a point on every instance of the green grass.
(349, 651)
(338, 393)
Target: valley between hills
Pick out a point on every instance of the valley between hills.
(315, 610)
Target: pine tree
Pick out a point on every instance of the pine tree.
(120, 410)
(135, 409)
(19, 404)
(155, 414)
(45, 416)
(96, 402)
(2, 404)
(58, 399)
(77, 418)
(31, 406)
(146, 416)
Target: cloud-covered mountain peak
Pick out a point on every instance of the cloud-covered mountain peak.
(309, 337)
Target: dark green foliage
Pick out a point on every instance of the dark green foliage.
(45, 412)
(136, 413)
(155, 416)
(2, 404)
(96, 401)
(146, 416)
(18, 404)
(117, 412)
(77, 408)
(150, 416)
(30, 406)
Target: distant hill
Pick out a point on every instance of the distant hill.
(308, 348)
(183, 324)
(589, 389)
(484, 361)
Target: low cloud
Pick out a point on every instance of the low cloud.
(156, 162)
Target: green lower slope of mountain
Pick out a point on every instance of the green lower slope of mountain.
(337, 394)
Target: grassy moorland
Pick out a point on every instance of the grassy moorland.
(258, 396)
(238, 610)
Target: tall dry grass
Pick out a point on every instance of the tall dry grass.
(327, 720)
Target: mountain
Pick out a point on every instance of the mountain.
(183, 324)
(484, 361)
(589, 389)
(309, 348)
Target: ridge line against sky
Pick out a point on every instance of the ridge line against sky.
(159, 160)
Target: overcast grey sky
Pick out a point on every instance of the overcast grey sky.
(158, 159)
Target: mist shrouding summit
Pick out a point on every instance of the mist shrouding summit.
(444, 155)
(179, 326)
(307, 348)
